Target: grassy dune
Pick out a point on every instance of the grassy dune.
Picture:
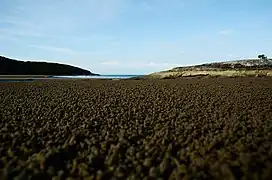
(239, 68)
(227, 73)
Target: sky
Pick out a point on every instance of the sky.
(134, 36)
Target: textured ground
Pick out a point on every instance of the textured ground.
(170, 129)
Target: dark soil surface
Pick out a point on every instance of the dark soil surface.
(214, 128)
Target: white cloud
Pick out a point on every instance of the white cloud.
(20, 32)
(154, 64)
(7, 37)
(110, 63)
(158, 6)
(57, 49)
(202, 37)
(133, 67)
(138, 64)
(236, 57)
(167, 47)
(17, 21)
(13, 27)
(18, 9)
(55, 18)
(146, 6)
(90, 37)
(226, 32)
(233, 56)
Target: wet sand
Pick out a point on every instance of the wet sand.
(139, 129)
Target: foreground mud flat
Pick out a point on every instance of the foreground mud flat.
(170, 129)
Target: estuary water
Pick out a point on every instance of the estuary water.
(29, 78)
(99, 77)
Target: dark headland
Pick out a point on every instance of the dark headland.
(11, 67)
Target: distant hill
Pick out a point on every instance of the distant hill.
(246, 67)
(247, 64)
(15, 67)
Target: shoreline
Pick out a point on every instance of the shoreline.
(19, 78)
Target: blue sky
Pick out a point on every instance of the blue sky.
(134, 36)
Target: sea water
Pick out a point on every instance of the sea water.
(72, 77)
(99, 77)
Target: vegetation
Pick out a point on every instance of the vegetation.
(240, 68)
(207, 73)
(14, 67)
(262, 56)
(215, 128)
